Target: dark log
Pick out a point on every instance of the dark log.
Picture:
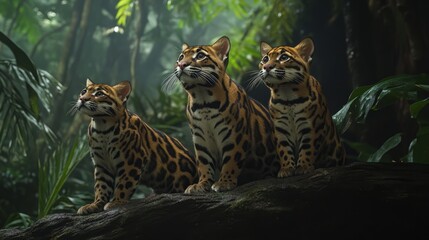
(360, 201)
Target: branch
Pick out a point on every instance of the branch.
(45, 36)
(357, 201)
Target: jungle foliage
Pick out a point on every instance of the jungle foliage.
(44, 165)
(413, 90)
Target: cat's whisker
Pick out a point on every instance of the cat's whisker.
(93, 107)
(207, 77)
(100, 109)
(72, 110)
(293, 77)
(72, 103)
(255, 80)
(170, 83)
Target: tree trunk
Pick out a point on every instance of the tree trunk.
(80, 43)
(71, 58)
(359, 201)
(118, 51)
(329, 64)
(142, 20)
(153, 59)
(69, 41)
(64, 62)
(386, 38)
(358, 25)
(13, 21)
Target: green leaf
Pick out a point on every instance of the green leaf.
(397, 87)
(19, 220)
(420, 149)
(55, 170)
(409, 156)
(424, 87)
(16, 107)
(23, 61)
(388, 145)
(123, 11)
(365, 150)
(357, 92)
(416, 107)
(342, 118)
(391, 95)
(384, 93)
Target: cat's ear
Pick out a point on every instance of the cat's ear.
(88, 82)
(123, 89)
(184, 47)
(265, 48)
(222, 47)
(305, 49)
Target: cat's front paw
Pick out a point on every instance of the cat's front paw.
(200, 187)
(223, 186)
(90, 208)
(304, 169)
(286, 172)
(115, 204)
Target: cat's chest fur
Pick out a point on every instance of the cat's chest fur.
(210, 121)
(103, 141)
(204, 108)
(290, 109)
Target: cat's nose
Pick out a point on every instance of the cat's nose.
(182, 65)
(268, 67)
(83, 99)
(81, 102)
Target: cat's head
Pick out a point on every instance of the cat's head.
(102, 100)
(201, 65)
(285, 64)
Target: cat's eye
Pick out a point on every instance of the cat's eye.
(265, 59)
(200, 56)
(284, 57)
(99, 94)
(181, 56)
(83, 92)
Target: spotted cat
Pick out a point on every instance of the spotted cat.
(230, 130)
(125, 150)
(304, 129)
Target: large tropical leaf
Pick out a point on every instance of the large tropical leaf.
(24, 62)
(391, 143)
(24, 92)
(363, 100)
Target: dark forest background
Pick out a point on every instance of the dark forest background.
(371, 57)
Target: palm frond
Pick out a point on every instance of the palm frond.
(54, 171)
(26, 93)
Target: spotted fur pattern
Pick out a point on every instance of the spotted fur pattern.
(230, 130)
(305, 132)
(126, 151)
